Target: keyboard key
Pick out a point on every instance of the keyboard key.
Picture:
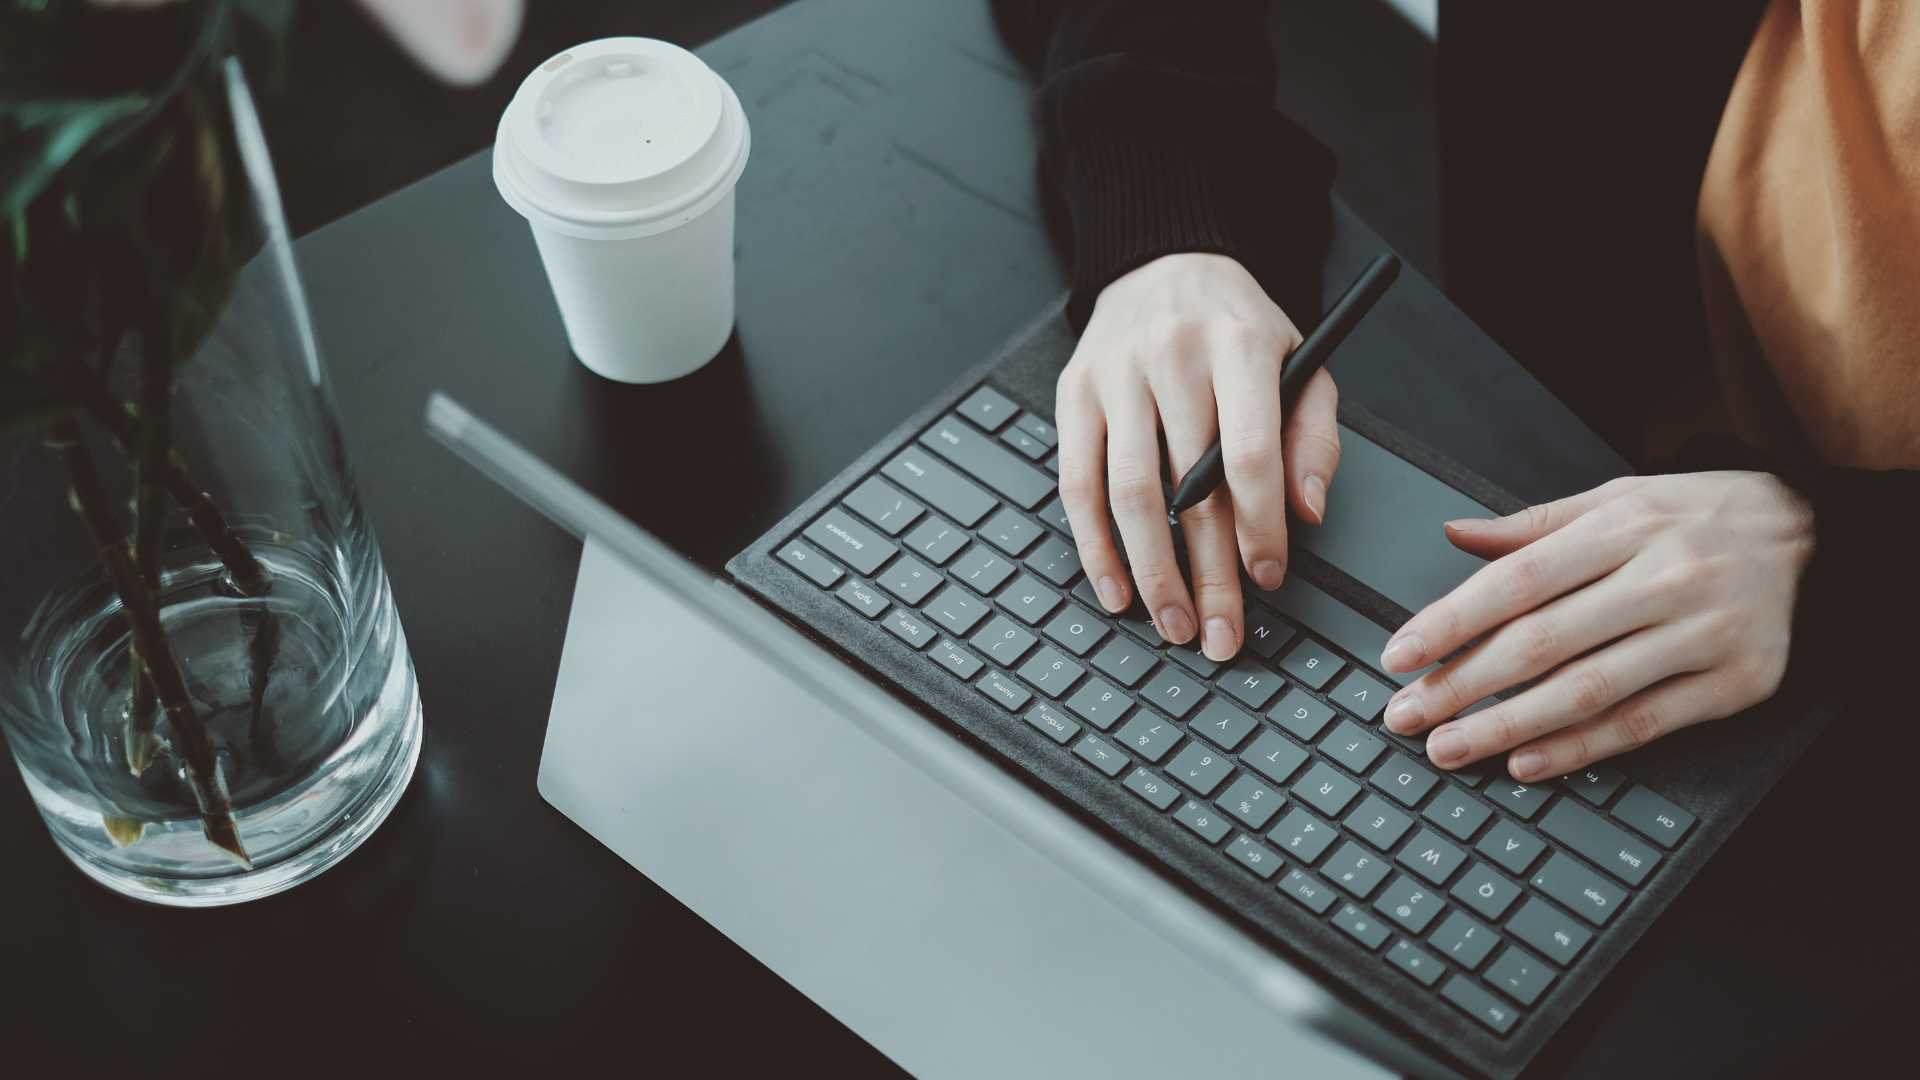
(1100, 754)
(1416, 962)
(1600, 841)
(1273, 756)
(1172, 691)
(1485, 891)
(1202, 819)
(1378, 823)
(939, 486)
(1549, 930)
(1250, 800)
(1655, 818)
(1523, 799)
(1157, 790)
(1302, 835)
(1356, 869)
(1009, 531)
(1055, 514)
(982, 569)
(1303, 602)
(955, 610)
(935, 540)
(1460, 814)
(1302, 715)
(1076, 629)
(1360, 926)
(1353, 748)
(909, 627)
(1326, 790)
(1033, 449)
(1190, 657)
(1039, 429)
(909, 579)
(1003, 640)
(1589, 895)
(1255, 856)
(1266, 633)
(989, 408)
(862, 597)
(1050, 672)
(1052, 723)
(1306, 889)
(1404, 779)
(1149, 734)
(1312, 663)
(1431, 857)
(1200, 767)
(1222, 724)
(1099, 703)
(988, 462)
(1125, 660)
(840, 535)
(1511, 846)
(1464, 940)
(816, 567)
(1028, 600)
(1520, 976)
(1360, 694)
(1409, 903)
(884, 505)
(956, 659)
(1468, 997)
(1054, 559)
(1252, 684)
(1006, 693)
(1053, 464)
(1595, 783)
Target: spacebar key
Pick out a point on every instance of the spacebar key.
(988, 462)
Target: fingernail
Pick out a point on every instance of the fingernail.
(1446, 746)
(1112, 595)
(1267, 574)
(1220, 644)
(1404, 713)
(1403, 653)
(1468, 525)
(1314, 491)
(1175, 626)
(1527, 764)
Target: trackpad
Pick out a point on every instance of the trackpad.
(1383, 526)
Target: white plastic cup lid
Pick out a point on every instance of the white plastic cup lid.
(619, 138)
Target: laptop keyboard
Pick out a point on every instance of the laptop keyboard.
(1477, 888)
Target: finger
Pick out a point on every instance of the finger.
(1508, 588)
(1579, 691)
(1490, 538)
(1658, 710)
(1186, 404)
(1133, 487)
(1528, 646)
(1312, 446)
(1083, 491)
(1246, 392)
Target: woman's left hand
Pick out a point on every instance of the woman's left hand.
(1648, 603)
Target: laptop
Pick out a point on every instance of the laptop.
(903, 756)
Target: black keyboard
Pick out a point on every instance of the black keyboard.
(1480, 889)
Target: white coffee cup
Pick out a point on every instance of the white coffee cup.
(622, 155)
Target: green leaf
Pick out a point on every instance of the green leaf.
(46, 136)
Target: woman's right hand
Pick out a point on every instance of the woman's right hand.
(1189, 345)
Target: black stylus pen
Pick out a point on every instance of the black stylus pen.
(1311, 356)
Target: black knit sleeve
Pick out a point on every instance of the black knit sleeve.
(1158, 135)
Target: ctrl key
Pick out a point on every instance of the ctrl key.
(817, 567)
(1469, 997)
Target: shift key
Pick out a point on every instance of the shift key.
(988, 462)
(1600, 841)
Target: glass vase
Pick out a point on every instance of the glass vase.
(202, 675)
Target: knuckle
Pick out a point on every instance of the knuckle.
(1213, 579)
(1134, 488)
(1535, 642)
(1639, 724)
(1249, 449)
(1503, 730)
(1452, 693)
(1589, 689)
(1155, 579)
(1524, 578)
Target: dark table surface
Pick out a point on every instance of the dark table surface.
(888, 237)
